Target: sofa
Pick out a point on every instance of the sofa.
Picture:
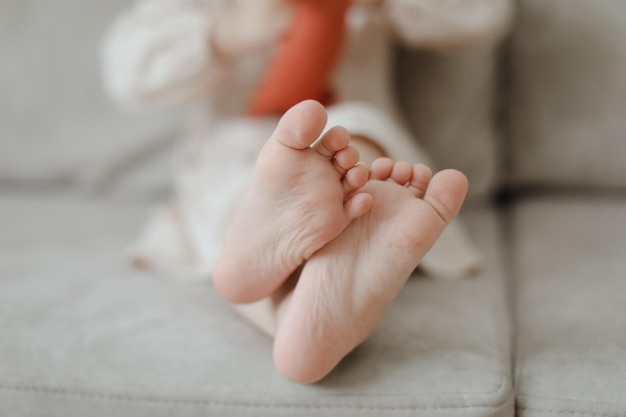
(538, 123)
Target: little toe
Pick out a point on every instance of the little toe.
(446, 192)
(301, 125)
(381, 169)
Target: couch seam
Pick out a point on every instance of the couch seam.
(498, 389)
(214, 403)
(572, 412)
(523, 396)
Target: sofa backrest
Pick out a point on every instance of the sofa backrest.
(559, 82)
(567, 100)
(56, 126)
(449, 100)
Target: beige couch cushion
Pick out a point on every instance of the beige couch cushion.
(55, 124)
(568, 100)
(569, 268)
(449, 99)
(82, 334)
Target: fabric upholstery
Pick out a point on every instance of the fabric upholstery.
(449, 99)
(56, 126)
(568, 95)
(571, 335)
(85, 335)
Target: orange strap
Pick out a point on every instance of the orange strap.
(303, 67)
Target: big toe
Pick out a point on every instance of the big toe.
(301, 125)
(446, 193)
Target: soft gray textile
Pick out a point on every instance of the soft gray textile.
(448, 99)
(55, 124)
(82, 334)
(150, 178)
(568, 96)
(571, 285)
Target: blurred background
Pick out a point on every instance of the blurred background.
(57, 129)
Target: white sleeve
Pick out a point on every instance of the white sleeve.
(158, 54)
(443, 24)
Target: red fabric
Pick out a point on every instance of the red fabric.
(303, 66)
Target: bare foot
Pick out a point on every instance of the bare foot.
(301, 198)
(346, 286)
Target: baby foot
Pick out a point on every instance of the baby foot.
(301, 198)
(346, 286)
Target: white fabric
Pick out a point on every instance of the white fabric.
(184, 237)
(446, 24)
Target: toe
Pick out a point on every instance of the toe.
(358, 205)
(301, 125)
(346, 158)
(402, 172)
(332, 142)
(446, 193)
(355, 178)
(420, 179)
(381, 169)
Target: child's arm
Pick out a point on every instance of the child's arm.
(167, 53)
(157, 54)
(257, 25)
(442, 24)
